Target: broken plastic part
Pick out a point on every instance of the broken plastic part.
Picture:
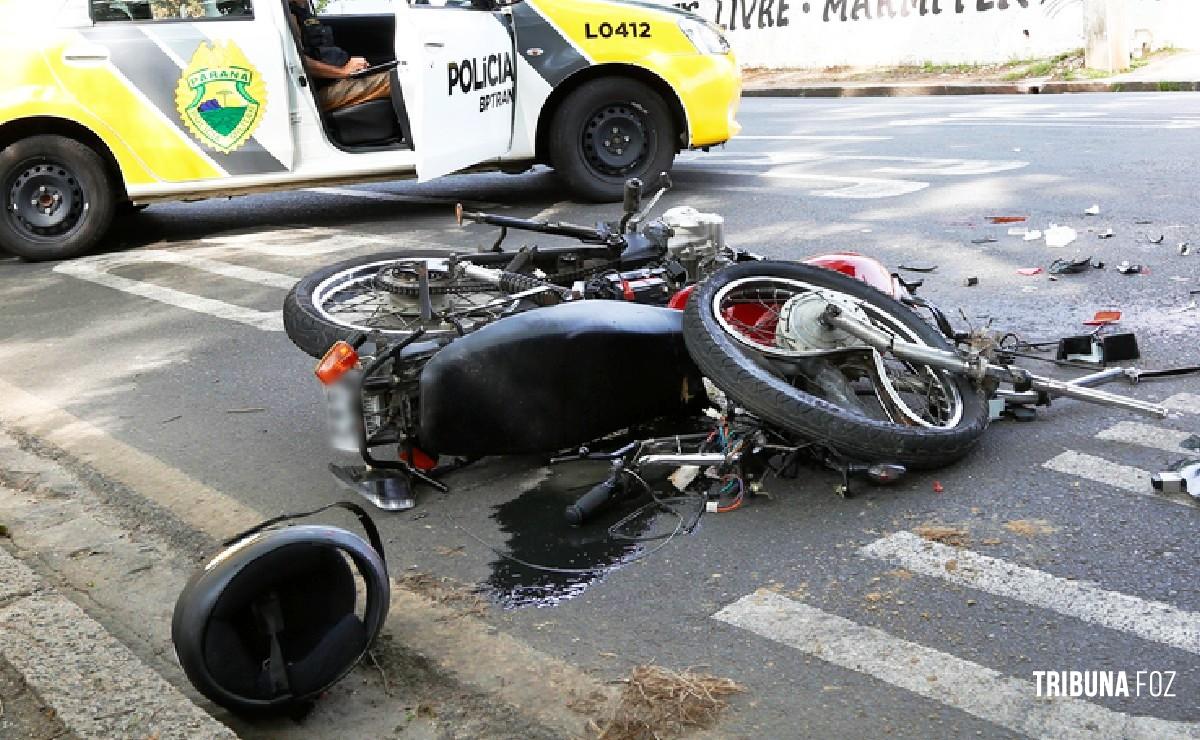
(1029, 271)
(1033, 235)
(1093, 211)
(1007, 219)
(971, 282)
(1158, 239)
(1060, 236)
(1107, 234)
(1104, 318)
(918, 268)
(1070, 267)
(985, 240)
(1127, 268)
(1185, 249)
(1185, 478)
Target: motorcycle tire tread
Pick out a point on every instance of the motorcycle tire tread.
(855, 437)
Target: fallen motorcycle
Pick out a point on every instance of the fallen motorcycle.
(453, 358)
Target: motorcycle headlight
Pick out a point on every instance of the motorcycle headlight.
(706, 37)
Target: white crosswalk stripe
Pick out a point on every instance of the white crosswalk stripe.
(1099, 470)
(980, 691)
(1146, 435)
(1188, 403)
(1149, 620)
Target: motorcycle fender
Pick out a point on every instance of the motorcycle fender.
(556, 377)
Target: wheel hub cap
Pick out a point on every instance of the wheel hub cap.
(46, 200)
(615, 139)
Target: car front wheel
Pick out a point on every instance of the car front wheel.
(607, 131)
(58, 198)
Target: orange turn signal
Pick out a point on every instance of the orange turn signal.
(339, 360)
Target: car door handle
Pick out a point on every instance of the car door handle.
(85, 53)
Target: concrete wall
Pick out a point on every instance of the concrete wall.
(860, 33)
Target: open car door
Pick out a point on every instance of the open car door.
(458, 76)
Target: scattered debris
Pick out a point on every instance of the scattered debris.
(1018, 231)
(1070, 267)
(177, 417)
(985, 240)
(1143, 221)
(919, 268)
(1093, 211)
(946, 534)
(1030, 527)
(1098, 264)
(1128, 268)
(1104, 318)
(1185, 249)
(1033, 235)
(1183, 477)
(971, 282)
(1107, 234)
(1158, 239)
(938, 487)
(1007, 219)
(1060, 236)
(1029, 271)
(658, 703)
(248, 410)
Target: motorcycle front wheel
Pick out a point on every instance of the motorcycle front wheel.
(380, 293)
(753, 330)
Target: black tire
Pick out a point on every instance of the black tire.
(305, 325)
(727, 364)
(597, 173)
(81, 196)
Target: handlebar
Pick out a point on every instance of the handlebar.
(585, 234)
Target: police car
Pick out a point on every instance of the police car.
(107, 104)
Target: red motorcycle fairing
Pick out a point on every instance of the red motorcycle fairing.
(557, 377)
(860, 267)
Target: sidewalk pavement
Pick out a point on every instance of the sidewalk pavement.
(1176, 73)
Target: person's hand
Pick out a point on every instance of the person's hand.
(356, 64)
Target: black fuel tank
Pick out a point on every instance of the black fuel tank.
(556, 377)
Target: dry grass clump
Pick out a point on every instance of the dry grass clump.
(954, 536)
(660, 703)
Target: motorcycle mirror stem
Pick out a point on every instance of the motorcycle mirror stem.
(633, 201)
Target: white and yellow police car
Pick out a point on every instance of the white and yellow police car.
(106, 104)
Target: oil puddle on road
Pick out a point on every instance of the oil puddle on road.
(570, 559)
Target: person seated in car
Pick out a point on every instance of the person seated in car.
(333, 65)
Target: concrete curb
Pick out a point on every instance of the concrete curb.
(1026, 87)
(97, 687)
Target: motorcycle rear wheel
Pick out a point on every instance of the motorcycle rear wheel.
(745, 363)
(345, 298)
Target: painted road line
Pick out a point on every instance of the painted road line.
(1149, 620)
(1188, 403)
(1099, 470)
(969, 687)
(95, 270)
(465, 647)
(98, 270)
(810, 137)
(1145, 435)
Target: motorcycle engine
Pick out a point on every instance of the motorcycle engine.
(801, 329)
(697, 241)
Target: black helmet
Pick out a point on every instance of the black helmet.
(271, 621)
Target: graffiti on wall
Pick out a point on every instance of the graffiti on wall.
(745, 15)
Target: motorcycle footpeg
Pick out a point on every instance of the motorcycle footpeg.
(385, 489)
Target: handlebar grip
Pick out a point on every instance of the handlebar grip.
(593, 502)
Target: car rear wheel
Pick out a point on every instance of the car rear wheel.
(607, 131)
(58, 198)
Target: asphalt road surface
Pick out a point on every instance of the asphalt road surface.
(837, 619)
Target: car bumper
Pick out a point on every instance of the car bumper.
(711, 96)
